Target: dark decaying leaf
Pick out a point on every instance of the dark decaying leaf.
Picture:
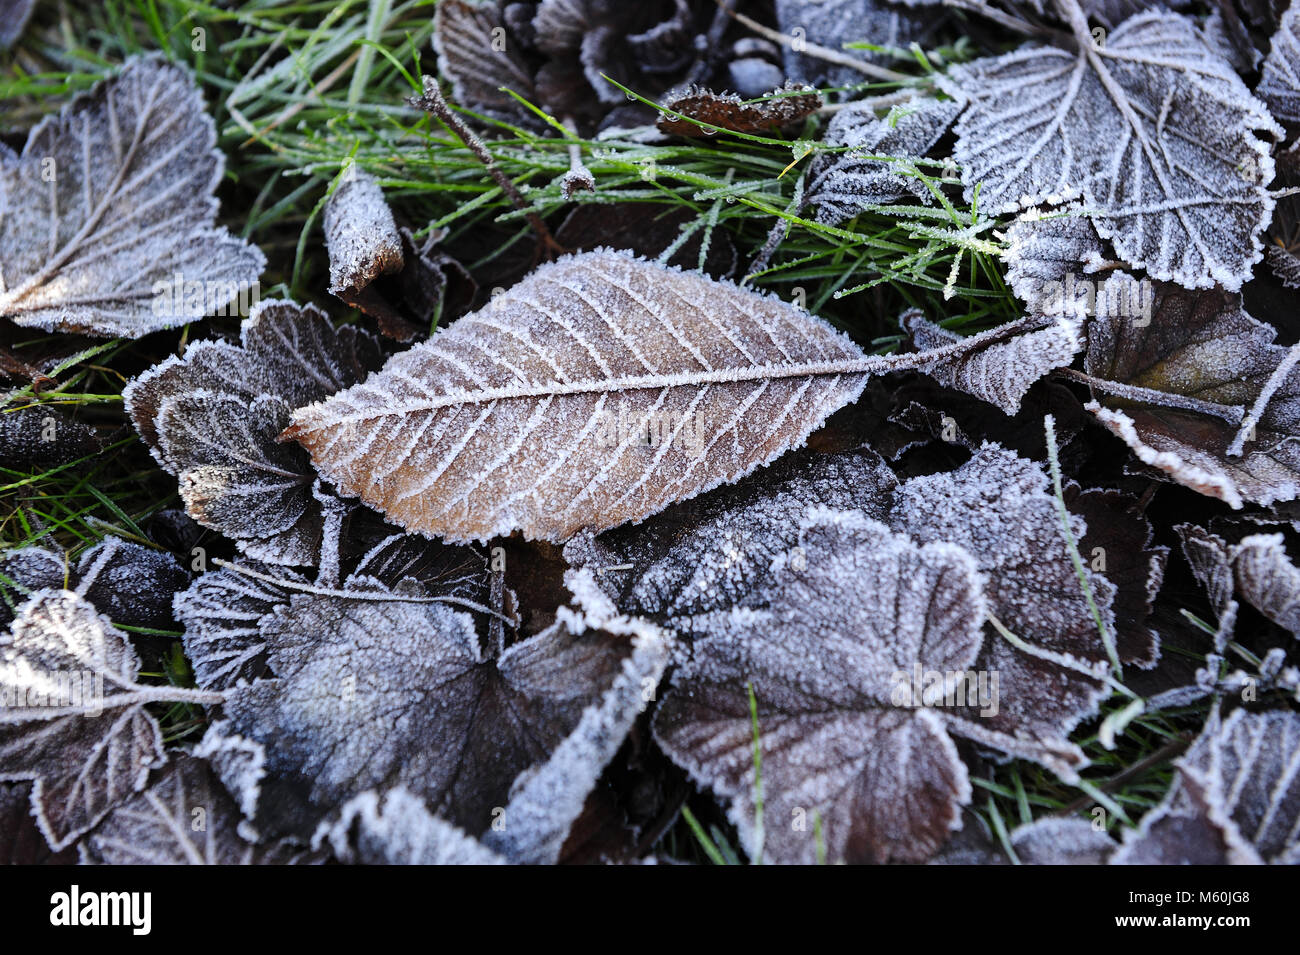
(1155, 131)
(78, 728)
(21, 842)
(481, 70)
(397, 829)
(1256, 568)
(129, 583)
(212, 416)
(1279, 84)
(1187, 383)
(377, 267)
(185, 817)
(1049, 840)
(1003, 371)
(1235, 800)
(36, 438)
(376, 685)
(595, 392)
(769, 115)
(110, 202)
(858, 604)
(841, 185)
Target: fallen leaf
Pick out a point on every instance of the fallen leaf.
(769, 115)
(107, 217)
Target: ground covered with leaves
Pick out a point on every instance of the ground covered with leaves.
(683, 431)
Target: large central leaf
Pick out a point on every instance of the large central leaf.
(597, 391)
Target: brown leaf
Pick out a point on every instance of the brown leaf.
(778, 110)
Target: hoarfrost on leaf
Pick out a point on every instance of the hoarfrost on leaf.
(595, 392)
(185, 817)
(775, 111)
(110, 205)
(212, 417)
(1279, 85)
(1153, 129)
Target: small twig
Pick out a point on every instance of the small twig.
(1166, 752)
(1232, 414)
(434, 103)
(999, 17)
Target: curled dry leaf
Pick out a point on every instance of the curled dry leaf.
(1154, 130)
(74, 720)
(873, 171)
(769, 115)
(212, 416)
(35, 438)
(185, 817)
(879, 777)
(1003, 371)
(595, 392)
(377, 267)
(14, 15)
(1197, 390)
(1235, 800)
(107, 217)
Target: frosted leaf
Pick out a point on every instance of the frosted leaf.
(832, 23)
(361, 236)
(858, 606)
(1183, 388)
(212, 418)
(395, 828)
(716, 551)
(773, 112)
(184, 818)
(1050, 840)
(1061, 841)
(1285, 265)
(546, 800)
(36, 438)
(106, 219)
(998, 507)
(1002, 372)
(1154, 130)
(595, 392)
(1279, 84)
(129, 583)
(1047, 257)
(221, 613)
(1257, 568)
(478, 68)
(1235, 800)
(376, 687)
(74, 719)
(841, 185)
(14, 15)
